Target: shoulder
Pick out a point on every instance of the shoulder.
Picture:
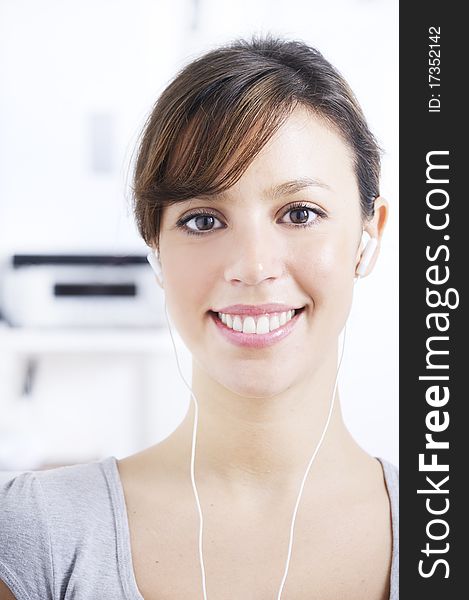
(391, 479)
(391, 476)
(25, 550)
(81, 489)
(46, 517)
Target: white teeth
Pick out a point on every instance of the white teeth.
(237, 323)
(274, 322)
(249, 325)
(263, 325)
(259, 325)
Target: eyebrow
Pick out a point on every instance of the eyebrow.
(296, 185)
(282, 189)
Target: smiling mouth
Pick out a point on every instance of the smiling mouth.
(256, 324)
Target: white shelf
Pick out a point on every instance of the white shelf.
(31, 341)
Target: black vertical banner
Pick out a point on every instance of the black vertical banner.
(433, 272)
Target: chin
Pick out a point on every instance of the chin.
(255, 385)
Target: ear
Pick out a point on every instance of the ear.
(155, 262)
(160, 282)
(160, 268)
(375, 228)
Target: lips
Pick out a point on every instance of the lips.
(257, 309)
(255, 340)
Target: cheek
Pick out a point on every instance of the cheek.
(187, 291)
(326, 275)
(326, 266)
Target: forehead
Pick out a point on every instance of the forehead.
(305, 148)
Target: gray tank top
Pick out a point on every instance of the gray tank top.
(64, 534)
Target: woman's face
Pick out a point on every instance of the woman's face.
(253, 248)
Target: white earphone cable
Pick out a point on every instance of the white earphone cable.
(309, 467)
(194, 436)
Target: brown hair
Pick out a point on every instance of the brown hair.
(221, 109)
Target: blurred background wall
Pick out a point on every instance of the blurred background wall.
(96, 375)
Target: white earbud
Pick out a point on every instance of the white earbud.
(366, 256)
(155, 263)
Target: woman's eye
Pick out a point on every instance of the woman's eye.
(198, 223)
(303, 215)
(203, 223)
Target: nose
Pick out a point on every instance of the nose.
(256, 256)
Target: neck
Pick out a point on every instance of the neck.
(247, 444)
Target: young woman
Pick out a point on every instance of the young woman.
(256, 178)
